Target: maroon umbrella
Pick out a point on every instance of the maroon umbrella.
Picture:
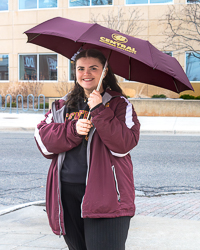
(132, 58)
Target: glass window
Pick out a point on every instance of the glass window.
(3, 5)
(48, 67)
(73, 3)
(136, 1)
(193, 1)
(101, 2)
(148, 1)
(27, 4)
(34, 4)
(47, 3)
(169, 53)
(71, 71)
(28, 67)
(160, 1)
(193, 66)
(4, 67)
(38, 67)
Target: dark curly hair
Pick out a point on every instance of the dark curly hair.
(109, 80)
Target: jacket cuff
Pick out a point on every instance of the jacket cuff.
(73, 129)
(96, 110)
(98, 105)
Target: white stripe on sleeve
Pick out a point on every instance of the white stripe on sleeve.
(128, 121)
(119, 155)
(40, 143)
(129, 114)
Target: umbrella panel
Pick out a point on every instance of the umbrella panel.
(63, 46)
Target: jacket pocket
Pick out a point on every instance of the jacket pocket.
(116, 183)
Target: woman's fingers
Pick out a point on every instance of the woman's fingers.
(94, 99)
(83, 126)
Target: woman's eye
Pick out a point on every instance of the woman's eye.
(93, 68)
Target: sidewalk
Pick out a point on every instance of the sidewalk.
(165, 222)
(27, 228)
(149, 124)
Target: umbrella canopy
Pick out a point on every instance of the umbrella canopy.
(132, 58)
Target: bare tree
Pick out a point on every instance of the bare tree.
(124, 22)
(183, 29)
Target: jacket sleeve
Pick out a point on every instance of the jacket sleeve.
(54, 138)
(117, 125)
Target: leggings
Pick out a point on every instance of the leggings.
(90, 234)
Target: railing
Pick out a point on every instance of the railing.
(22, 100)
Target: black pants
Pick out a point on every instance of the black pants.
(90, 234)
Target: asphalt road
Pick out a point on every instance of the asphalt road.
(166, 164)
(161, 164)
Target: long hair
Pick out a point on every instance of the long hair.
(109, 80)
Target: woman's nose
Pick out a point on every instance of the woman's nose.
(87, 71)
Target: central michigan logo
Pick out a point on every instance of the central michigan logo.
(119, 38)
(117, 41)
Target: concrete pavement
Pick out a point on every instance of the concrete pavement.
(164, 222)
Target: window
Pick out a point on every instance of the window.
(193, 66)
(3, 5)
(148, 1)
(4, 61)
(34, 4)
(169, 53)
(80, 3)
(38, 67)
(193, 1)
(71, 71)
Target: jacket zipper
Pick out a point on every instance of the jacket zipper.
(59, 215)
(116, 183)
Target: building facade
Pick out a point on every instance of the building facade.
(21, 62)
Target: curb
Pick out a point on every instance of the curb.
(13, 129)
(143, 194)
(169, 132)
(138, 193)
(17, 207)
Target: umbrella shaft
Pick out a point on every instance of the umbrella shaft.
(100, 81)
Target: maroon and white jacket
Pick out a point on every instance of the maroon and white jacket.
(109, 183)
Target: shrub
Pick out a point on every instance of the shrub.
(188, 97)
(46, 105)
(159, 96)
(197, 97)
(14, 105)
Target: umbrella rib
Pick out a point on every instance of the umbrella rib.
(176, 86)
(34, 37)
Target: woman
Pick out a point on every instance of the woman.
(90, 188)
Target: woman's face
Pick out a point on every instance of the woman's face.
(88, 73)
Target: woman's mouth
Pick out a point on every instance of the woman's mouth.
(88, 79)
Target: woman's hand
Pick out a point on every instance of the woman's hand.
(94, 99)
(83, 126)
